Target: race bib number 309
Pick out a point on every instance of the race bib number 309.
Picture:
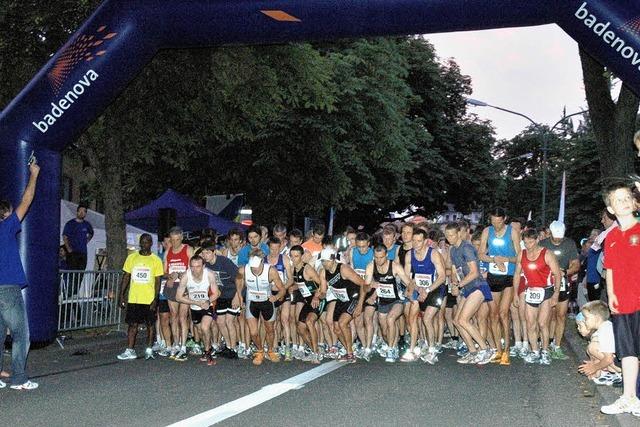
(534, 295)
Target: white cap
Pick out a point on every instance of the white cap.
(327, 254)
(255, 261)
(557, 229)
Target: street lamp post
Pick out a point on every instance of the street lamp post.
(545, 143)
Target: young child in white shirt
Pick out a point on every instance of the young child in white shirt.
(593, 322)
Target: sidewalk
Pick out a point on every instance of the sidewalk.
(605, 394)
(82, 350)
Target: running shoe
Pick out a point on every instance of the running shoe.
(128, 354)
(211, 360)
(148, 354)
(484, 357)
(607, 378)
(430, 358)
(497, 356)
(545, 358)
(350, 358)
(258, 357)
(408, 356)
(333, 352)
(157, 346)
(505, 359)
(468, 358)
(174, 350)
(287, 354)
(623, 405)
(29, 385)
(523, 352)
(164, 352)
(558, 354)
(367, 354)
(358, 352)
(2, 384)
(241, 351)
(315, 359)
(462, 351)
(205, 356)
(190, 343)
(532, 357)
(181, 356)
(196, 350)
(514, 351)
(273, 356)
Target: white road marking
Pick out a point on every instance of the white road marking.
(265, 394)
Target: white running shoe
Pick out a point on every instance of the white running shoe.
(545, 358)
(484, 357)
(2, 384)
(29, 385)
(468, 358)
(128, 354)
(431, 358)
(532, 357)
(408, 356)
(621, 406)
(148, 354)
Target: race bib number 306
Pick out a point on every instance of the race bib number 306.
(423, 280)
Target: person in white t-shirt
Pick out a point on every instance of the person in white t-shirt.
(593, 322)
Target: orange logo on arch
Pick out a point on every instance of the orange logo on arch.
(85, 48)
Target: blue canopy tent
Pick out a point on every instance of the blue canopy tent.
(189, 215)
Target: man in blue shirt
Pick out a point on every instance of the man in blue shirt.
(76, 234)
(12, 279)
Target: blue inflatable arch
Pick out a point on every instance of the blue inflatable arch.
(121, 36)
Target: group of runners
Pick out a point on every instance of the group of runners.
(396, 294)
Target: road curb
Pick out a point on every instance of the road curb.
(605, 394)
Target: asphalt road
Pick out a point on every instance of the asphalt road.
(96, 390)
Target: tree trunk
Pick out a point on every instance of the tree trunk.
(613, 122)
(106, 158)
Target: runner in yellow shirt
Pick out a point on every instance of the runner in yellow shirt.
(141, 278)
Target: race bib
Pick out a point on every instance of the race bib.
(141, 275)
(386, 290)
(330, 295)
(563, 284)
(341, 294)
(176, 268)
(423, 280)
(493, 269)
(361, 272)
(304, 290)
(199, 296)
(258, 296)
(534, 295)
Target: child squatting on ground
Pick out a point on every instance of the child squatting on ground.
(593, 323)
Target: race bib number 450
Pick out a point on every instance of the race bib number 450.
(141, 275)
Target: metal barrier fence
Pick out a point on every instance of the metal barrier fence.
(88, 299)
